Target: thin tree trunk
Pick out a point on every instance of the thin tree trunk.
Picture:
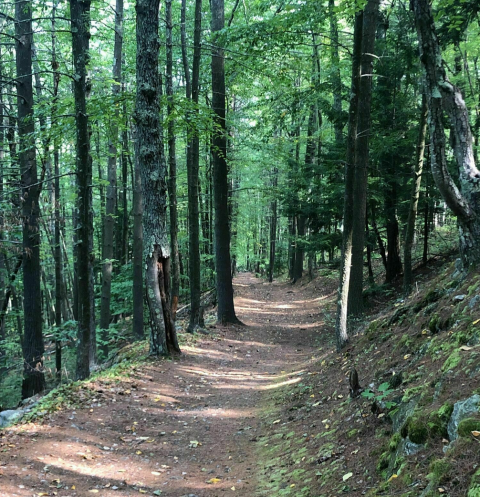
(172, 162)
(80, 19)
(138, 291)
(109, 221)
(193, 161)
(225, 309)
(273, 227)
(33, 347)
(413, 209)
(335, 77)
(151, 159)
(341, 331)
(355, 297)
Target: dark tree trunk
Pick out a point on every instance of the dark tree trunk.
(172, 162)
(341, 331)
(299, 250)
(80, 15)
(413, 209)
(273, 227)
(151, 159)
(225, 309)
(110, 207)
(394, 264)
(193, 163)
(442, 96)
(138, 291)
(355, 297)
(33, 347)
(292, 225)
(426, 222)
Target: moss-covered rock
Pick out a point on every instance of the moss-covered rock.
(468, 425)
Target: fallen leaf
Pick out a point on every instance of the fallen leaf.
(347, 476)
(393, 477)
(476, 433)
(465, 347)
(406, 356)
(213, 480)
(93, 491)
(441, 490)
(276, 422)
(232, 488)
(476, 321)
(194, 443)
(156, 473)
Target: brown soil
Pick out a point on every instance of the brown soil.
(186, 427)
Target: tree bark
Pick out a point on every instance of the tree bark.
(413, 209)
(193, 162)
(355, 297)
(151, 159)
(273, 227)
(335, 74)
(172, 162)
(225, 309)
(80, 19)
(341, 331)
(110, 207)
(33, 346)
(442, 95)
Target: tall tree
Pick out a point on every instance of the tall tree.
(149, 152)
(442, 96)
(193, 163)
(110, 207)
(33, 346)
(80, 20)
(415, 195)
(355, 297)
(172, 158)
(347, 235)
(225, 309)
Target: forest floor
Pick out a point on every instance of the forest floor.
(195, 426)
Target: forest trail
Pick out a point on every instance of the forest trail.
(175, 428)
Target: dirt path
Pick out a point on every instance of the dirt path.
(174, 428)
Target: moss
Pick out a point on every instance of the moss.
(412, 392)
(468, 425)
(440, 470)
(420, 427)
(372, 329)
(452, 361)
(474, 489)
(418, 431)
(352, 433)
(383, 462)
(434, 325)
(394, 441)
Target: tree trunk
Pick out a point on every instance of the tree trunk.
(442, 96)
(151, 159)
(193, 163)
(341, 331)
(80, 19)
(138, 291)
(110, 207)
(225, 309)
(394, 264)
(299, 250)
(355, 297)
(335, 74)
(33, 347)
(273, 227)
(413, 209)
(172, 162)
